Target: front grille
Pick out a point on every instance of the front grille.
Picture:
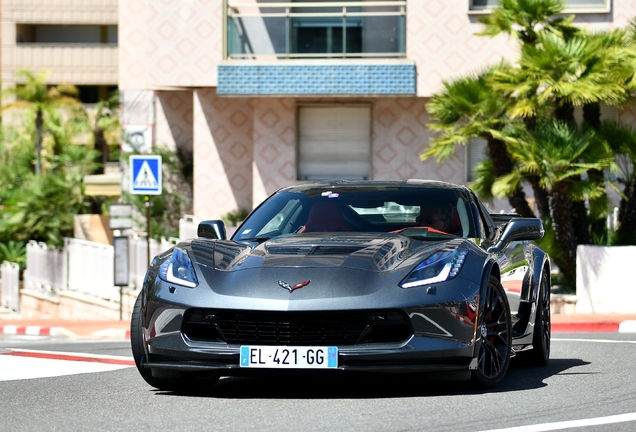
(296, 328)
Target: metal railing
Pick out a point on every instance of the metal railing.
(334, 29)
(10, 275)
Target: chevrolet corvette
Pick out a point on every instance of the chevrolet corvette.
(387, 277)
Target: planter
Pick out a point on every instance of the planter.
(604, 283)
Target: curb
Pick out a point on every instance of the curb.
(61, 332)
(593, 327)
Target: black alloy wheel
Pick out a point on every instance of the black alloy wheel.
(184, 382)
(540, 353)
(495, 336)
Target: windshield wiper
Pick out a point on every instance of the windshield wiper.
(258, 240)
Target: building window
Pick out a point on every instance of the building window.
(307, 29)
(334, 142)
(90, 94)
(572, 6)
(66, 34)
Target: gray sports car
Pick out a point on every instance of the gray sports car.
(412, 276)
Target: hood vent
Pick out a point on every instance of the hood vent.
(314, 250)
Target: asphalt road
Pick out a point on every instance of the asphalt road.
(590, 379)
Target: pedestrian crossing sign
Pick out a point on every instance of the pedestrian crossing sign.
(145, 175)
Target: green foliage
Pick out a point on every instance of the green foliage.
(13, 251)
(44, 206)
(525, 20)
(485, 177)
(234, 217)
(466, 108)
(528, 105)
(41, 204)
(52, 114)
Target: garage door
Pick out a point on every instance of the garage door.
(334, 142)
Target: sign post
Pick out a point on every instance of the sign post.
(120, 244)
(145, 179)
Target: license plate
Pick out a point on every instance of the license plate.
(292, 357)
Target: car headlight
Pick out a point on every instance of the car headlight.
(439, 267)
(178, 269)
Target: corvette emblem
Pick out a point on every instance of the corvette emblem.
(294, 287)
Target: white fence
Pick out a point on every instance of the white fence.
(90, 268)
(10, 273)
(138, 255)
(86, 267)
(46, 268)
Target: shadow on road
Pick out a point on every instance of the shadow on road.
(339, 385)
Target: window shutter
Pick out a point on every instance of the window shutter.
(334, 142)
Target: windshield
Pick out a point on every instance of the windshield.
(426, 213)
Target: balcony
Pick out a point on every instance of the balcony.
(77, 64)
(305, 29)
(316, 48)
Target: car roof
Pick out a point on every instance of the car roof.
(373, 185)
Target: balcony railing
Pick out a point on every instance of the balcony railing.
(332, 29)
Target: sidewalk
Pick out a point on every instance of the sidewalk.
(120, 330)
(113, 330)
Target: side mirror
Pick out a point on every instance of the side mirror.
(519, 229)
(212, 229)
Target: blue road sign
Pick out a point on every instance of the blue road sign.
(145, 175)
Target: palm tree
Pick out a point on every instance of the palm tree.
(43, 103)
(466, 108)
(583, 70)
(622, 141)
(554, 152)
(561, 73)
(106, 128)
(525, 19)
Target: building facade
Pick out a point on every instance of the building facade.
(75, 40)
(266, 94)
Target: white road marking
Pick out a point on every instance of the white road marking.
(30, 364)
(621, 418)
(593, 340)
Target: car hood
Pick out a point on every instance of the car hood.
(369, 252)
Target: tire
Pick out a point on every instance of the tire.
(495, 335)
(184, 382)
(539, 355)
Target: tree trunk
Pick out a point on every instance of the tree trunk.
(580, 222)
(598, 207)
(503, 165)
(564, 111)
(627, 215)
(592, 115)
(560, 210)
(102, 147)
(39, 121)
(540, 197)
(540, 194)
